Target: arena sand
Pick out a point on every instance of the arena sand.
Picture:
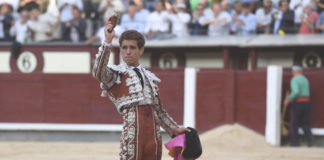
(228, 142)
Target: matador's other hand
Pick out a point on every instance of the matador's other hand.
(178, 131)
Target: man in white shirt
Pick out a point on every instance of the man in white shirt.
(264, 17)
(130, 20)
(157, 20)
(297, 6)
(246, 22)
(66, 9)
(179, 20)
(42, 25)
(109, 7)
(219, 22)
(21, 28)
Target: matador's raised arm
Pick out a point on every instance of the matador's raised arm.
(100, 71)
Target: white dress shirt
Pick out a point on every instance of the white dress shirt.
(179, 23)
(299, 9)
(128, 23)
(157, 21)
(66, 13)
(221, 28)
(263, 18)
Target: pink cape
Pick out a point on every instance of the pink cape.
(176, 146)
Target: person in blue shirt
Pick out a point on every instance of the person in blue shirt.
(245, 24)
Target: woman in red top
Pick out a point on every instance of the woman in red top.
(309, 18)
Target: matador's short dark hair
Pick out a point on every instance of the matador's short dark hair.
(133, 35)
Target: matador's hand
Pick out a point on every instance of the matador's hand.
(178, 131)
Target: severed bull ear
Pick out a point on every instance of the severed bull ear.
(114, 19)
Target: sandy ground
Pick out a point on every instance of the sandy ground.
(229, 142)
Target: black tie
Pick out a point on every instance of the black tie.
(139, 75)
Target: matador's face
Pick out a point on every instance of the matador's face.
(130, 52)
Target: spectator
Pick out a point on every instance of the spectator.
(207, 10)
(225, 6)
(6, 21)
(30, 4)
(297, 6)
(100, 35)
(245, 24)
(218, 23)
(179, 19)
(75, 29)
(195, 27)
(20, 30)
(66, 9)
(308, 18)
(130, 20)
(263, 16)
(320, 6)
(109, 7)
(236, 12)
(320, 23)
(157, 20)
(283, 20)
(142, 12)
(92, 16)
(42, 25)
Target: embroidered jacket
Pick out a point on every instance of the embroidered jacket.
(123, 86)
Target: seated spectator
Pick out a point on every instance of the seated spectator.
(320, 23)
(20, 30)
(6, 21)
(109, 7)
(130, 20)
(245, 24)
(157, 20)
(75, 29)
(283, 20)
(42, 25)
(30, 4)
(297, 6)
(179, 19)
(195, 27)
(218, 23)
(207, 9)
(66, 10)
(263, 16)
(308, 18)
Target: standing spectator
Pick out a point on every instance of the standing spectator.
(300, 106)
(20, 30)
(75, 29)
(6, 21)
(130, 20)
(283, 20)
(308, 18)
(263, 16)
(66, 9)
(195, 27)
(218, 23)
(109, 7)
(297, 6)
(245, 24)
(42, 25)
(320, 23)
(92, 16)
(157, 20)
(179, 19)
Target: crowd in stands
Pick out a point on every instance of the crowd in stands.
(27, 21)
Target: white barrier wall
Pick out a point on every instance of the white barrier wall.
(273, 119)
(189, 116)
